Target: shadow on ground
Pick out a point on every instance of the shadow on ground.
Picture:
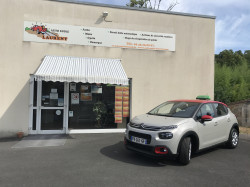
(9, 139)
(120, 153)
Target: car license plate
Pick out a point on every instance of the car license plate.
(138, 140)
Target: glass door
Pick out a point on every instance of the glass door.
(51, 102)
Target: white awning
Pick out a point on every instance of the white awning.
(74, 69)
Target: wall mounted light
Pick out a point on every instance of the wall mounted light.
(105, 15)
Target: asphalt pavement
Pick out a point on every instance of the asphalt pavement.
(102, 160)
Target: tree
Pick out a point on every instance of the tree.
(232, 76)
(230, 58)
(247, 57)
(151, 4)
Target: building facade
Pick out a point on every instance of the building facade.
(158, 56)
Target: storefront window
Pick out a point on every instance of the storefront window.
(52, 94)
(84, 100)
(52, 119)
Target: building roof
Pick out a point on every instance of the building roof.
(135, 8)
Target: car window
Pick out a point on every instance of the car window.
(206, 109)
(165, 109)
(221, 109)
(176, 109)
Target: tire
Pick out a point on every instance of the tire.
(233, 139)
(185, 151)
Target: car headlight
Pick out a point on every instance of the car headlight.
(165, 135)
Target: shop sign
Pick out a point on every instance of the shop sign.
(93, 36)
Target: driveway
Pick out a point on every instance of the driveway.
(102, 160)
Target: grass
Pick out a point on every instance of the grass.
(244, 130)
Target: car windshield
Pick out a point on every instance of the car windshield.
(175, 109)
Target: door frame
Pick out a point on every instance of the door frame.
(39, 109)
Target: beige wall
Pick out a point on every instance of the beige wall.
(157, 75)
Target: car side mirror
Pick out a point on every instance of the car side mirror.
(206, 118)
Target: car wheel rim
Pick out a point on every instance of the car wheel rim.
(235, 138)
(189, 151)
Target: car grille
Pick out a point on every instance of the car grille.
(145, 127)
(140, 135)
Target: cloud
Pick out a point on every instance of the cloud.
(232, 32)
(232, 20)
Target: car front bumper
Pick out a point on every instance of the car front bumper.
(149, 150)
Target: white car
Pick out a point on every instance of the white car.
(180, 127)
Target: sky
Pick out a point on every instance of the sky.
(232, 24)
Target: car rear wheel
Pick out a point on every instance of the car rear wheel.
(185, 151)
(233, 139)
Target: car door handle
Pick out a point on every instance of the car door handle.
(216, 123)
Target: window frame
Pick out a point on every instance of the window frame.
(195, 115)
(216, 114)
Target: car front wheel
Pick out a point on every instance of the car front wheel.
(233, 139)
(185, 151)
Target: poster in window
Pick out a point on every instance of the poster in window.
(73, 87)
(85, 89)
(96, 89)
(74, 98)
(86, 96)
(118, 104)
(53, 95)
(60, 101)
(125, 100)
(118, 117)
(53, 90)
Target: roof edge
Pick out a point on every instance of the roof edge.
(83, 57)
(134, 8)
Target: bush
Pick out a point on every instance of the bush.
(232, 79)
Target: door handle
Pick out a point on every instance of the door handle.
(216, 123)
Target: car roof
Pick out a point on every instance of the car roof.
(197, 101)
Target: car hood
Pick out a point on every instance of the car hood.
(158, 121)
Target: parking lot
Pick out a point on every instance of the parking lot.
(102, 160)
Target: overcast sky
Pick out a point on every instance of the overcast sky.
(232, 28)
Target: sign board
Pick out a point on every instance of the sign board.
(96, 89)
(93, 36)
(72, 87)
(86, 96)
(60, 101)
(71, 113)
(74, 98)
